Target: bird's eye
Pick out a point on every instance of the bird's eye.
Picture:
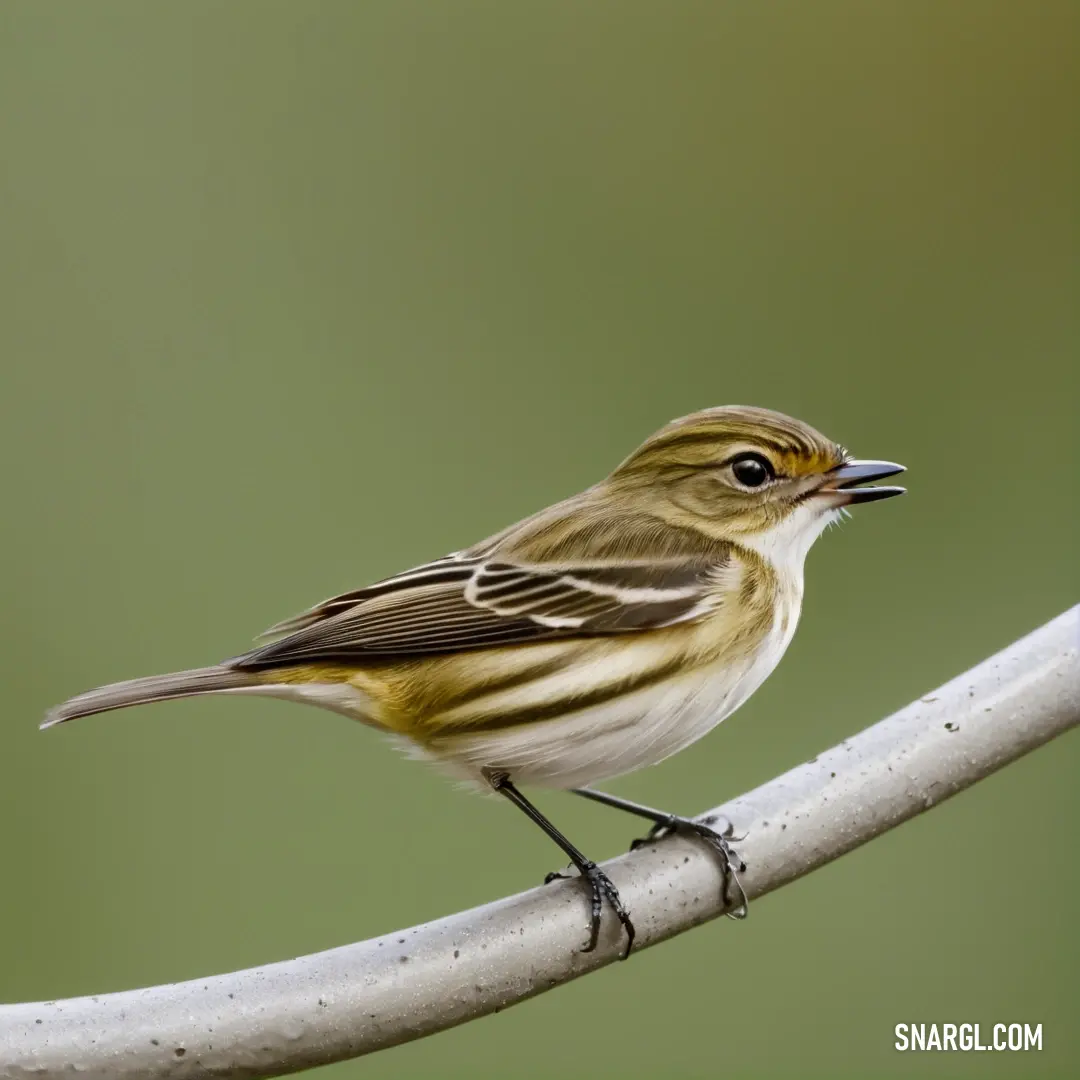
(751, 470)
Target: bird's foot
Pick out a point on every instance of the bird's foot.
(717, 832)
(603, 888)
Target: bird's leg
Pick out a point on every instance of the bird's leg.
(600, 884)
(715, 831)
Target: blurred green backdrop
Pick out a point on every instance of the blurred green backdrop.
(297, 294)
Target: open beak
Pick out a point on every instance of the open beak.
(844, 480)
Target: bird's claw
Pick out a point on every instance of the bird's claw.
(718, 839)
(603, 888)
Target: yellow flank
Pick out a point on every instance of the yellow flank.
(475, 690)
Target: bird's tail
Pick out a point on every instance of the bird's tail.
(180, 684)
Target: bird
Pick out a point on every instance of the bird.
(595, 637)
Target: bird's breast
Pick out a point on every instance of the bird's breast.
(571, 714)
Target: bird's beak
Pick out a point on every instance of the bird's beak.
(844, 480)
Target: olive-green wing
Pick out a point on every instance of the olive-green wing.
(470, 602)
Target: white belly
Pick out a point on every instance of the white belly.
(619, 736)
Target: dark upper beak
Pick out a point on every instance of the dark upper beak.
(846, 477)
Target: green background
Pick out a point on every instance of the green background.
(295, 295)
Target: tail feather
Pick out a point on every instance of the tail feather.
(207, 680)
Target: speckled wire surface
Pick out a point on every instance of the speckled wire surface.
(358, 998)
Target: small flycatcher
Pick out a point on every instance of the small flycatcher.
(597, 636)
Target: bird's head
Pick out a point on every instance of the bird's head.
(753, 476)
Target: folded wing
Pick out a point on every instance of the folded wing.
(464, 602)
